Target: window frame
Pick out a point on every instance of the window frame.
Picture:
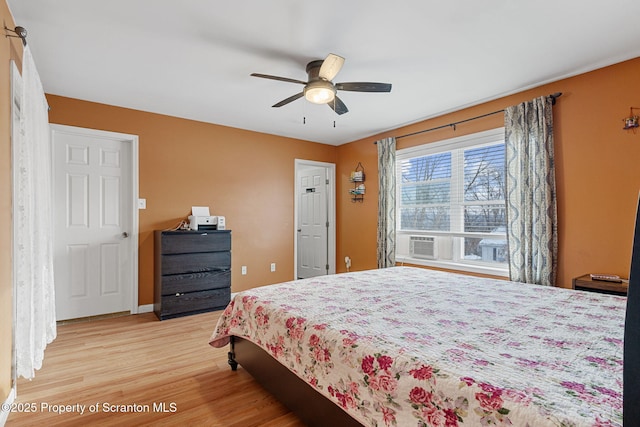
(460, 143)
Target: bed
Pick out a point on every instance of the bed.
(406, 346)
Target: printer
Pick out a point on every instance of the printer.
(200, 219)
(207, 222)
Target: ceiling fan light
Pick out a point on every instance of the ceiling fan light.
(319, 95)
(320, 92)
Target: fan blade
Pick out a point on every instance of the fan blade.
(364, 87)
(338, 106)
(330, 66)
(282, 79)
(289, 99)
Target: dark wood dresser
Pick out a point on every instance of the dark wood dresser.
(192, 272)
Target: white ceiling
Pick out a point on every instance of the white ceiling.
(192, 58)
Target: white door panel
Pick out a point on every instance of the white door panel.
(93, 205)
(312, 223)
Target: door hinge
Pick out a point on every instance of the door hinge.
(327, 224)
(327, 267)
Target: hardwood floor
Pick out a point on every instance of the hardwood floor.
(155, 373)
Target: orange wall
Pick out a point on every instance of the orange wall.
(588, 122)
(357, 222)
(247, 177)
(10, 48)
(596, 160)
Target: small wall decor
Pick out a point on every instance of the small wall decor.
(357, 177)
(631, 122)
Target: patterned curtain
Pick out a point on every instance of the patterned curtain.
(387, 202)
(531, 192)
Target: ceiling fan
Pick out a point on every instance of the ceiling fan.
(320, 89)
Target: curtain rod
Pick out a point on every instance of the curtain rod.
(553, 97)
(20, 32)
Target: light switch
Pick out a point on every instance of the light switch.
(142, 203)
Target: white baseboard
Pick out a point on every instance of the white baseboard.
(147, 308)
(4, 413)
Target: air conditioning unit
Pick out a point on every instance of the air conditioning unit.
(423, 247)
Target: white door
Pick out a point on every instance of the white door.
(93, 222)
(312, 223)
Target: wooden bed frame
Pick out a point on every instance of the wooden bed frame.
(316, 410)
(302, 399)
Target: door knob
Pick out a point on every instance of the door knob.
(125, 234)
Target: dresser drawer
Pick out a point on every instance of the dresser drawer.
(181, 283)
(194, 263)
(215, 299)
(195, 241)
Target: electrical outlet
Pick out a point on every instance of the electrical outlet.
(273, 267)
(244, 270)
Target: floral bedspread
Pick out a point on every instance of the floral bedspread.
(413, 347)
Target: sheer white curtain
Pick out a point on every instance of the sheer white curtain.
(35, 324)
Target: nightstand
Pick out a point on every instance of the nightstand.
(585, 283)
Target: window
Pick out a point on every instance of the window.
(451, 204)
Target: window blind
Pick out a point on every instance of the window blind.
(454, 191)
